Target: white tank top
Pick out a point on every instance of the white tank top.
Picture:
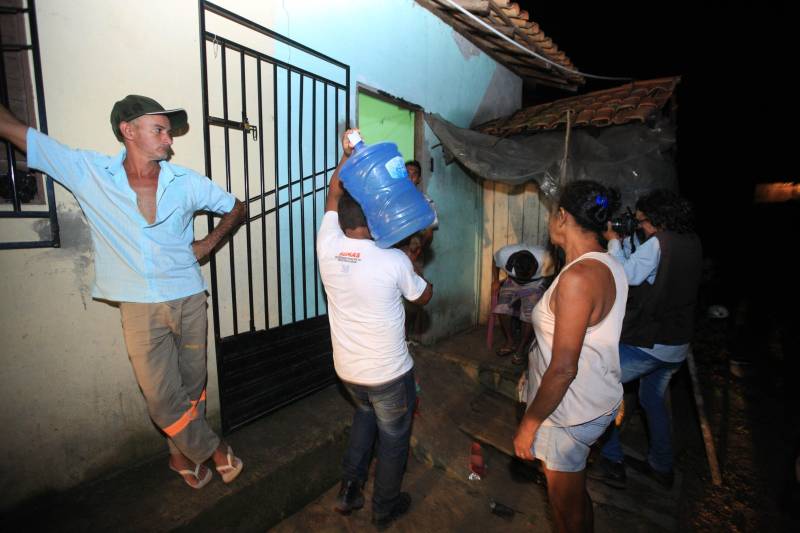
(596, 390)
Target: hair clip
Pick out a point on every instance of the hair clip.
(601, 200)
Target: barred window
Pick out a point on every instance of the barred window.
(27, 201)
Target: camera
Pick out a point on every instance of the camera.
(625, 224)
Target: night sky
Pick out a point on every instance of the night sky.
(737, 104)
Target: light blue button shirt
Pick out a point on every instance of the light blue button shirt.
(642, 264)
(135, 261)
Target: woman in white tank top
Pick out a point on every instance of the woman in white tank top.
(574, 384)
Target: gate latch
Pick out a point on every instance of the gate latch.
(249, 128)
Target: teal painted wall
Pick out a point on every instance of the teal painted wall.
(404, 50)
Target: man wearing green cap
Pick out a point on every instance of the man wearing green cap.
(140, 209)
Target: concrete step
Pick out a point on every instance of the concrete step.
(468, 349)
(290, 457)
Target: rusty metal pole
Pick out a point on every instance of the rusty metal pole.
(708, 438)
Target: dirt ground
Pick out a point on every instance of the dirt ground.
(746, 369)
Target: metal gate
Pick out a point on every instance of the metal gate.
(274, 112)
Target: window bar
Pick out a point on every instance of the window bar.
(246, 168)
(55, 233)
(11, 156)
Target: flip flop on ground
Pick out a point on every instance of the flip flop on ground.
(199, 482)
(230, 471)
(505, 350)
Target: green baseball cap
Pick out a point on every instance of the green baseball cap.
(134, 106)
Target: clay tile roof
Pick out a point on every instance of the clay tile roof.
(634, 101)
(506, 17)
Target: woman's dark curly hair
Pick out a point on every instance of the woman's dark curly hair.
(590, 203)
(667, 211)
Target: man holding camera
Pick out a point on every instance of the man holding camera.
(664, 276)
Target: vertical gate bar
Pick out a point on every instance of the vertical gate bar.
(336, 126)
(301, 173)
(347, 97)
(37, 67)
(314, 188)
(223, 54)
(289, 183)
(263, 200)
(210, 219)
(246, 165)
(325, 147)
(326, 142)
(277, 189)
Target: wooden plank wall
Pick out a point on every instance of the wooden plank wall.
(510, 215)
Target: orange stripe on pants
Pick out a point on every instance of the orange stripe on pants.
(185, 419)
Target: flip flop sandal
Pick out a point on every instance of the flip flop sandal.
(502, 352)
(230, 471)
(196, 473)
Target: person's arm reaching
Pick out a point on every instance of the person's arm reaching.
(227, 223)
(335, 189)
(12, 129)
(426, 296)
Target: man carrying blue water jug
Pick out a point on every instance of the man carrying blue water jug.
(365, 285)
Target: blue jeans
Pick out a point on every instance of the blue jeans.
(654, 376)
(384, 411)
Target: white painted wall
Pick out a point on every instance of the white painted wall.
(69, 405)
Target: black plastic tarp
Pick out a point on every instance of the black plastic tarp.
(633, 158)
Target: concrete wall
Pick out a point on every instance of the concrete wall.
(69, 405)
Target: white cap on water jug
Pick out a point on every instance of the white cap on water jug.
(354, 138)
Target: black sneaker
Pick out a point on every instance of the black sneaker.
(400, 508)
(607, 471)
(349, 498)
(665, 479)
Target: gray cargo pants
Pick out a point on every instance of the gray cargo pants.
(166, 344)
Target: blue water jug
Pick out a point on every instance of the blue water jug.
(376, 177)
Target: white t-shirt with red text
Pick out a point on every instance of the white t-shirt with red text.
(366, 285)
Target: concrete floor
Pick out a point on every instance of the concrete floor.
(453, 376)
(293, 465)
